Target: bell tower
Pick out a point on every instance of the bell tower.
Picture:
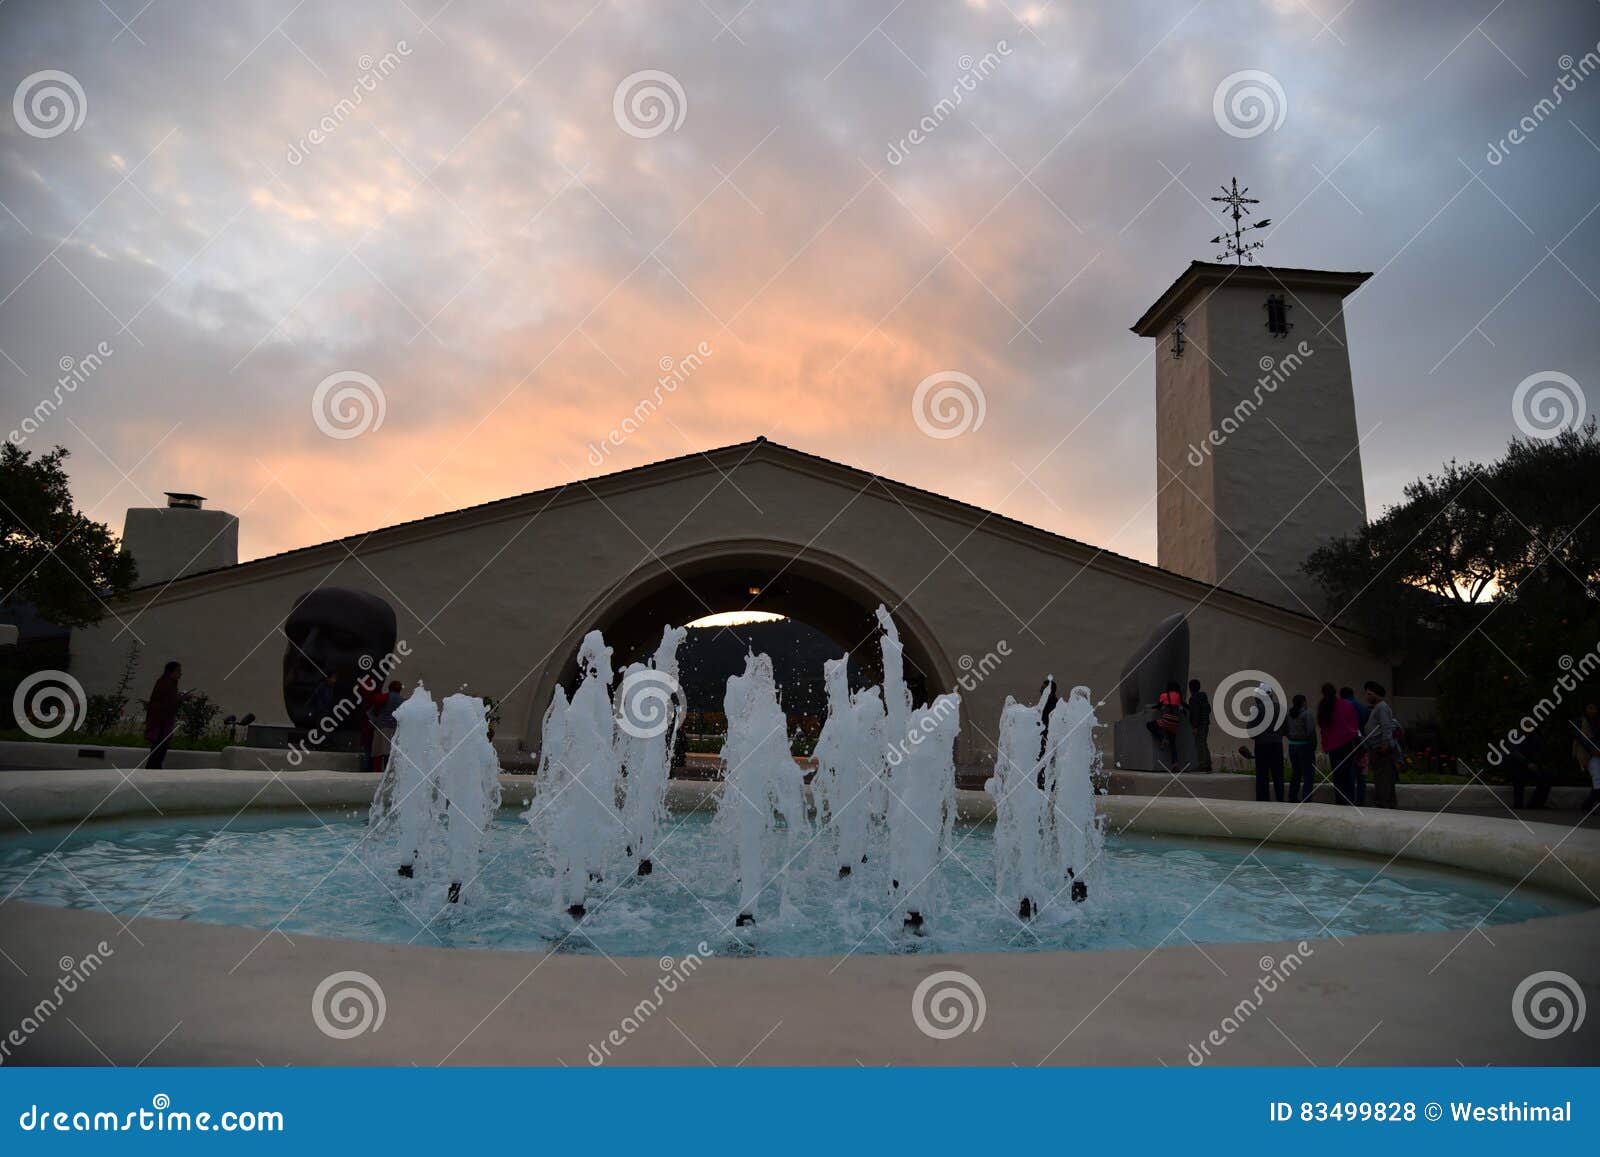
(1258, 460)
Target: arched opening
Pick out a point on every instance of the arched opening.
(829, 603)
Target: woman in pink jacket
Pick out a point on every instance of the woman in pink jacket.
(1340, 727)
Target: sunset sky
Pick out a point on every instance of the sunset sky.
(481, 236)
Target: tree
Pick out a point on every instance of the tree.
(1490, 573)
(51, 555)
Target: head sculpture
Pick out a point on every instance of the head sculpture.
(334, 637)
(1162, 659)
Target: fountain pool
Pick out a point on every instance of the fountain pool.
(311, 875)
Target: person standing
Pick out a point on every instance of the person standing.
(382, 721)
(1340, 729)
(1266, 724)
(1200, 721)
(161, 714)
(1378, 741)
(1168, 722)
(1348, 694)
(1300, 728)
(1586, 750)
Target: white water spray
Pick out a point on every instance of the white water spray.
(469, 782)
(762, 784)
(850, 763)
(649, 709)
(922, 810)
(577, 799)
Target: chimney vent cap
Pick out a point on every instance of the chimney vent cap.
(177, 500)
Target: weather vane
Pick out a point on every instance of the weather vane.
(1233, 244)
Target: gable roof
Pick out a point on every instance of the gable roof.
(722, 459)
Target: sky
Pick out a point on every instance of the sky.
(340, 266)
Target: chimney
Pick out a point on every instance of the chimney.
(179, 539)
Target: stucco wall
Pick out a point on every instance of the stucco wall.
(1271, 496)
(494, 599)
(1185, 492)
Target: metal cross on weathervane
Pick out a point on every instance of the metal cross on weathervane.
(1233, 244)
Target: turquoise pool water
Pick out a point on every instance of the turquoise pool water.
(312, 874)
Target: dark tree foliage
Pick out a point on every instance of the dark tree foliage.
(1490, 574)
(52, 556)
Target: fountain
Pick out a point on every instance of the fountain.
(851, 764)
(649, 711)
(762, 782)
(576, 797)
(404, 804)
(1047, 835)
(922, 812)
(1022, 808)
(469, 785)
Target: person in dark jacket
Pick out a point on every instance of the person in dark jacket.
(1266, 724)
(1300, 728)
(161, 714)
(1200, 720)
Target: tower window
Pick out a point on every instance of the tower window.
(1278, 324)
(1178, 339)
